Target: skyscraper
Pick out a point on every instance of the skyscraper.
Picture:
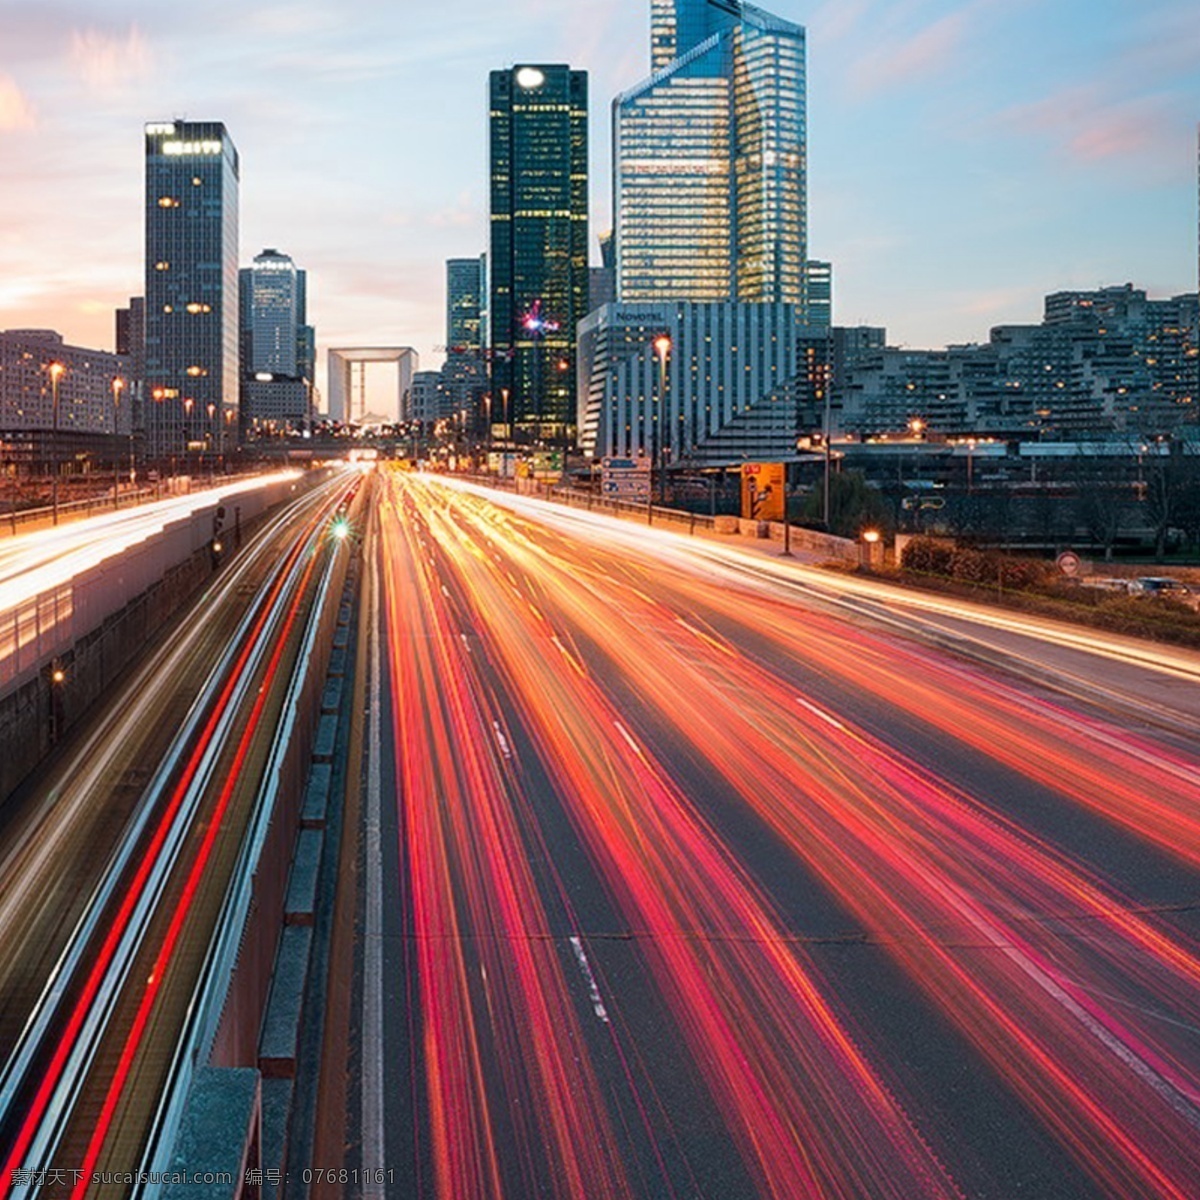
(710, 171)
(276, 343)
(464, 301)
(538, 262)
(463, 379)
(191, 287)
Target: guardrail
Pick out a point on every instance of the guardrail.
(580, 498)
(810, 541)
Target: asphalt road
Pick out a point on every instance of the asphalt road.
(694, 885)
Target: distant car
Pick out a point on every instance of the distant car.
(1164, 586)
(1104, 584)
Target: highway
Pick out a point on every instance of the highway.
(115, 862)
(705, 875)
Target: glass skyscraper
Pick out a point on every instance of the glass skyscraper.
(710, 159)
(538, 259)
(464, 304)
(277, 344)
(191, 389)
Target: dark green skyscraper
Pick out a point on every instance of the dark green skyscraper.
(537, 265)
(191, 389)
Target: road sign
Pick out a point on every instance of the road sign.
(625, 478)
(1068, 562)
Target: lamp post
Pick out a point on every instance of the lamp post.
(662, 351)
(825, 435)
(117, 385)
(188, 405)
(212, 440)
(56, 370)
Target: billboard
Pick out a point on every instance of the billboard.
(763, 493)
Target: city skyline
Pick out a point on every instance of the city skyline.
(950, 189)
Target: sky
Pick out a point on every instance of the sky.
(966, 157)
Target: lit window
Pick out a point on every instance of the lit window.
(162, 266)
(168, 308)
(167, 202)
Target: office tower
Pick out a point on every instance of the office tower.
(277, 345)
(131, 345)
(602, 280)
(819, 290)
(191, 288)
(710, 159)
(538, 262)
(464, 300)
(726, 391)
(463, 378)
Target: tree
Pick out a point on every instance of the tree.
(854, 505)
(1170, 481)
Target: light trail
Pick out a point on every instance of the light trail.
(1081, 1004)
(89, 1011)
(470, 878)
(810, 1114)
(39, 561)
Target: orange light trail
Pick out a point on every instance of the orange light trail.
(1080, 1003)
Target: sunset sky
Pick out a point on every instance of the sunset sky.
(965, 157)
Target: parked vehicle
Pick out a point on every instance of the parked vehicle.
(1164, 586)
(1105, 584)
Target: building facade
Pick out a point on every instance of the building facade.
(464, 374)
(93, 423)
(538, 259)
(1105, 361)
(710, 160)
(729, 387)
(191, 218)
(277, 346)
(465, 282)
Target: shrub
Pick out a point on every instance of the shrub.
(927, 557)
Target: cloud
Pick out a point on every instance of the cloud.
(108, 63)
(1092, 125)
(836, 20)
(904, 62)
(16, 112)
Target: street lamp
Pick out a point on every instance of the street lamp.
(662, 351)
(826, 422)
(117, 385)
(57, 370)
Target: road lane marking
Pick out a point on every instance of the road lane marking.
(628, 737)
(817, 712)
(505, 749)
(593, 988)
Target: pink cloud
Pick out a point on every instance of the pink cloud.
(16, 112)
(106, 62)
(903, 62)
(836, 20)
(1091, 126)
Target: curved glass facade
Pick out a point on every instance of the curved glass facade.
(710, 176)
